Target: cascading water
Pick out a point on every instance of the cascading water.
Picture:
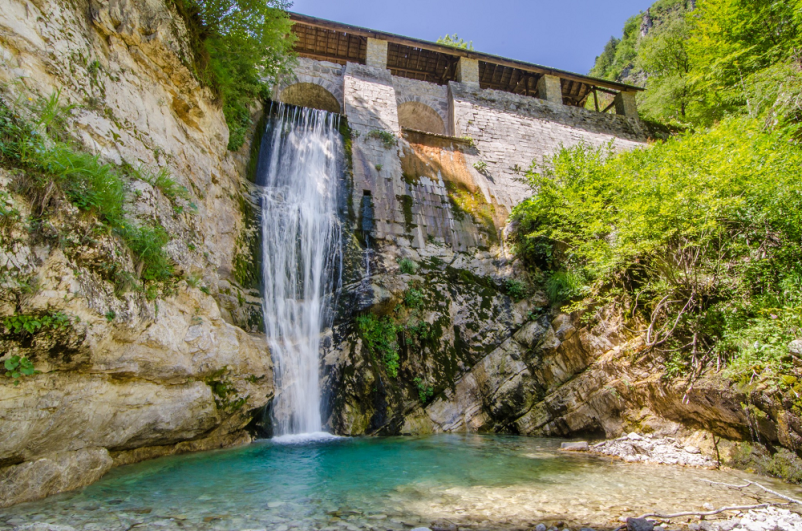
(298, 172)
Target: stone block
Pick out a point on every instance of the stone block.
(468, 71)
(625, 104)
(550, 89)
(376, 53)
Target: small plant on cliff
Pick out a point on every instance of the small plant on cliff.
(480, 166)
(386, 137)
(17, 367)
(380, 336)
(413, 298)
(33, 324)
(425, 392)
(407, 266)
(516, 289)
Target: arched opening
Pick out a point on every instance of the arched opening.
(416, 115)
(310, 95)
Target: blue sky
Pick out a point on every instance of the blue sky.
(565, 34)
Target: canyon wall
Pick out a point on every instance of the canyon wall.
(134, 373)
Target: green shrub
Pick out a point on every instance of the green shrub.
(413, 298)
(455, 42)
(407, 266)
(698, 237)
(425, 392)
(386, 137)
(380, 337)
(147, 245)
(516, 289)
(33, 324)
(420, 330)
(480, 166)
(563, 285)
(17, 367)
(782, 464)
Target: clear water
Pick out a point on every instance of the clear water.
(299, 169)
(476, 482)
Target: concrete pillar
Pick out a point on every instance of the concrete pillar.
(550, 89)
(468, 71)
(626, 105)
(377, 53)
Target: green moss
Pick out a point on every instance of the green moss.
(406, 204)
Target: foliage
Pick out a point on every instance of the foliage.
(726, 57)
(32, 324)
(380, 336)
(17, 367)
(783, 464)
(618, 60)
(407, 266)
(242, 46)
(32, 138)
(664, 58)
(455, 42)
(413, 298)
(425, 392)
(516, 289)
(731, 42)
(386, 137)
(698, 236)
(480, 166)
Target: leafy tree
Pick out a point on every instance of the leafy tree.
(697, 238)
(733, 44)
(605, 61)
(664, 58)
(244, 45)
(455, 42)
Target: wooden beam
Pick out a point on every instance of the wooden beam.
(458, 52)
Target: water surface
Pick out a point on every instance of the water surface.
(395, 483)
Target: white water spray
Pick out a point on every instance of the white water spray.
(298, 169)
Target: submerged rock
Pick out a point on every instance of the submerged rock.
(580, 446)
(639, 524)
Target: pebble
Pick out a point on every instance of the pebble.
(634, 448)
(538, 527)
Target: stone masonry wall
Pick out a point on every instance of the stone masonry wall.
(510, 131)
(435, 96)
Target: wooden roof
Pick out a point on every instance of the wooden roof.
(427, 61)
(324, 44)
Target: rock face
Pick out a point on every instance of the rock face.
(472, 359)
(132, 374)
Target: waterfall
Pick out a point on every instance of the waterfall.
(298, 173)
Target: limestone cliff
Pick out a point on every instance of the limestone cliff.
(133, 374)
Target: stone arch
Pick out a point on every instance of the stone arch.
(417, 115)
(312, 95)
